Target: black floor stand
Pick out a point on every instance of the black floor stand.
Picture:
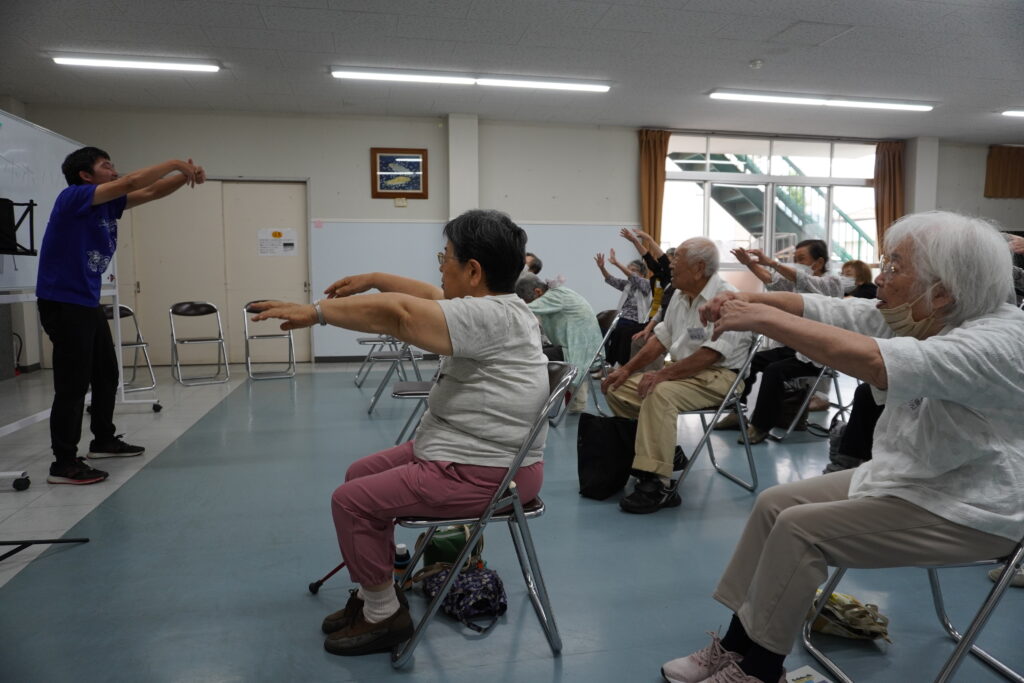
(21, 545)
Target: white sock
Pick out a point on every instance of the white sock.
(378, 605)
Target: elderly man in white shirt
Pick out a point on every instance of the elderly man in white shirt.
(944, 351)
(699, 376)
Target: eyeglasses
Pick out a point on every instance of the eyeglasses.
(442, 257)
(888, 266)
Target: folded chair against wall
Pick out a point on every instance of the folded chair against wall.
(778, 433)
(732, 402)
(965, 641)
(198, 309)
(505, 506)
(137, 345)
(289, 369)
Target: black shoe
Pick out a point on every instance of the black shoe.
(362, 638)
(75, 472)
(114, 447)
(649, 495)
(353, 608)
(679, 459)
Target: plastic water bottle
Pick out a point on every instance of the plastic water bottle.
(402, 559)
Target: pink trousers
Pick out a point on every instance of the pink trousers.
(394, 483)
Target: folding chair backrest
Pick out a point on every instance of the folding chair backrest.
(560, 376)
(604, 340)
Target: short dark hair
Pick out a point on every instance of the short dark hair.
(81, 160)
(537, 264)
(497, 244)
(816, 248)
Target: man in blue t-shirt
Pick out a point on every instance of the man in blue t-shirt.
(79, 242)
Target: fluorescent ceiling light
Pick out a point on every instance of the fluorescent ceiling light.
(462, 79)
(817, 100)
(1014, 112)
(543, 85)
(402, 76)
(138, 63)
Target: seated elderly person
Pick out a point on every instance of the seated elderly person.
(858, 280)
(808, 274)
(944, 350)
(568, 321)
(700, 374)
(493, 379)
(633, 308)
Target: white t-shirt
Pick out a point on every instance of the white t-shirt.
(490, 390)
(950, 439)
(682, 333)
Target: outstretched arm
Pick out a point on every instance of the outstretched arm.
(143, 178)
(415, 320)
(750, 260)
(648, 241)
(615, 262)
(384, 282)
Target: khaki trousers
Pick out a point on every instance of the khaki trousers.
(796, 531)
(658, 414)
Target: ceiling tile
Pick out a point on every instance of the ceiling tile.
(809, 33)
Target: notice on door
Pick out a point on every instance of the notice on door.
(277, 242)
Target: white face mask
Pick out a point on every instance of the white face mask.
(849, 284)
(901, 321)
(802, 268)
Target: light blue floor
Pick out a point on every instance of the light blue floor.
(198, 566)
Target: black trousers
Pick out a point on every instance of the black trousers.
(776, 367)
(83, 355)
(860, 430)
(621, 339)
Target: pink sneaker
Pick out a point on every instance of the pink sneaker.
(732, 673)
(701, 664)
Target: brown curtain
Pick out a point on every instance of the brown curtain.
(890, 196)
(1004, 173)
(653, 150)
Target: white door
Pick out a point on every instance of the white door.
(266, 255)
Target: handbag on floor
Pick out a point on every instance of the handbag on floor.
(845, 616)
(605, 447)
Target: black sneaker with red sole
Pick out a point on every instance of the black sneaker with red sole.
(76, 472)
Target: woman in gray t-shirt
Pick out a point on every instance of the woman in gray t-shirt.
(492, 384)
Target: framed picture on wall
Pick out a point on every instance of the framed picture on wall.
(396, 172)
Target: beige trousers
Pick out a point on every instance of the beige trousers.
(796, 531)
(657, 413)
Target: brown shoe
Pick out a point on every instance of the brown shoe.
(731, 421)
(360, 637)
(353, 608)
(754, 435)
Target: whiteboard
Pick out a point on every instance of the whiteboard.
(340, 248)
(30, 159)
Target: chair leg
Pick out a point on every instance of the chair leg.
(839, 396)
(527, 554)
(402, 653)
(965, 641)
(705, 440)
(420, 404)
(380, 388)
(838, 675)
(367, 365)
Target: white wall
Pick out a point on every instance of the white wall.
(961, 186)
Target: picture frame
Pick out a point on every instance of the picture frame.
(398, 172)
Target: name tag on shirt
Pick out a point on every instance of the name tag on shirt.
(697, 333)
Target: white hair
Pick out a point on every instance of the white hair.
(967, 255)
(701, 249)
(526, 284)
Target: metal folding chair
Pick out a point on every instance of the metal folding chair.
(778, 433)
(396, 359)
(965, 641)
(418, 391)
(505, 506)
(599, 365)
(137, 346)
(732, 401)
(195, 309)
(289, 369)
(381, 342)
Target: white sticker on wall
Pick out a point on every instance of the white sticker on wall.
(277, 242)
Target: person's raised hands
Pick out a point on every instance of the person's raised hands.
(711, 311)
(611, 257)
(628, 234)
(743, 256)
(599, 259)
(739, 315)
(347, 286)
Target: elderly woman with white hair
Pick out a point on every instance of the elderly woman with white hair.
(944, 351)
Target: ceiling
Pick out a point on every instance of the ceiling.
(661, 58)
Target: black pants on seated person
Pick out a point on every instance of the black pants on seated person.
(768, 409)
(860, 430)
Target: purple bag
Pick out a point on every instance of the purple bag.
(477, 592)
